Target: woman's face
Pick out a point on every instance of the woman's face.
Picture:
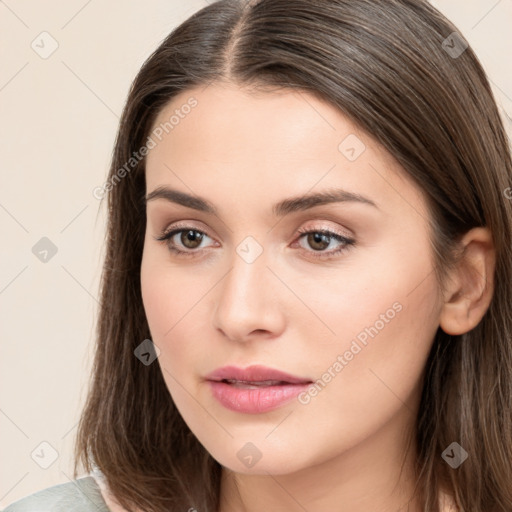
(352, 311)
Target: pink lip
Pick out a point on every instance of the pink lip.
(246, 396)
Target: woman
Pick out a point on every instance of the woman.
(307, 287)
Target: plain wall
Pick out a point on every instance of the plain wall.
(58, 120)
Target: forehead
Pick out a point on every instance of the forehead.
(229, 120)
(239, 143)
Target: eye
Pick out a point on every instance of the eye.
(186, 241)
(189, 239)
(320, 239)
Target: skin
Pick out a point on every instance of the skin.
(288, 310)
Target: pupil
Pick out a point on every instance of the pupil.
(192, 236)
(320, 238)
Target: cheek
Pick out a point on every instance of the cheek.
(167, 293)
(389, 287)
(173, 302)
(168, 302)
(385, 318)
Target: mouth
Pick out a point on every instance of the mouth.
(242, 384)
(255, 375)
(255, 389)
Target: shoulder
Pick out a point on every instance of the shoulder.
(81, 495)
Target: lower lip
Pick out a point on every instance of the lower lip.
(254, 401)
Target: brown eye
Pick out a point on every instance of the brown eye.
(318, 241)
(183, 240)
(191, 239)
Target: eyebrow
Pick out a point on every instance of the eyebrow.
(290, 205)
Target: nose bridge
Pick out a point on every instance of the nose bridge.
(244, 287)
(247, 299)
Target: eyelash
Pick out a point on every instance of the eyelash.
(166, 236)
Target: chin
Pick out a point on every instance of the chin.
(255, 459)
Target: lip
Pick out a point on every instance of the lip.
(255, 389)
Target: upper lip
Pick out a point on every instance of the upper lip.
(255, 373)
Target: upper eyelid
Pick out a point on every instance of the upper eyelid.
(342, 231)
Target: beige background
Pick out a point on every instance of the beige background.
(58, 118)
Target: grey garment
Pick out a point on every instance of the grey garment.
(81, 495)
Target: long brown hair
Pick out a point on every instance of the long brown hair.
(391, 67)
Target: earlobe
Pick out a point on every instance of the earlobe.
(471, 284)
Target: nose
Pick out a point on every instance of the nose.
(248, 304)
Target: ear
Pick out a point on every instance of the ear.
(470, 285)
